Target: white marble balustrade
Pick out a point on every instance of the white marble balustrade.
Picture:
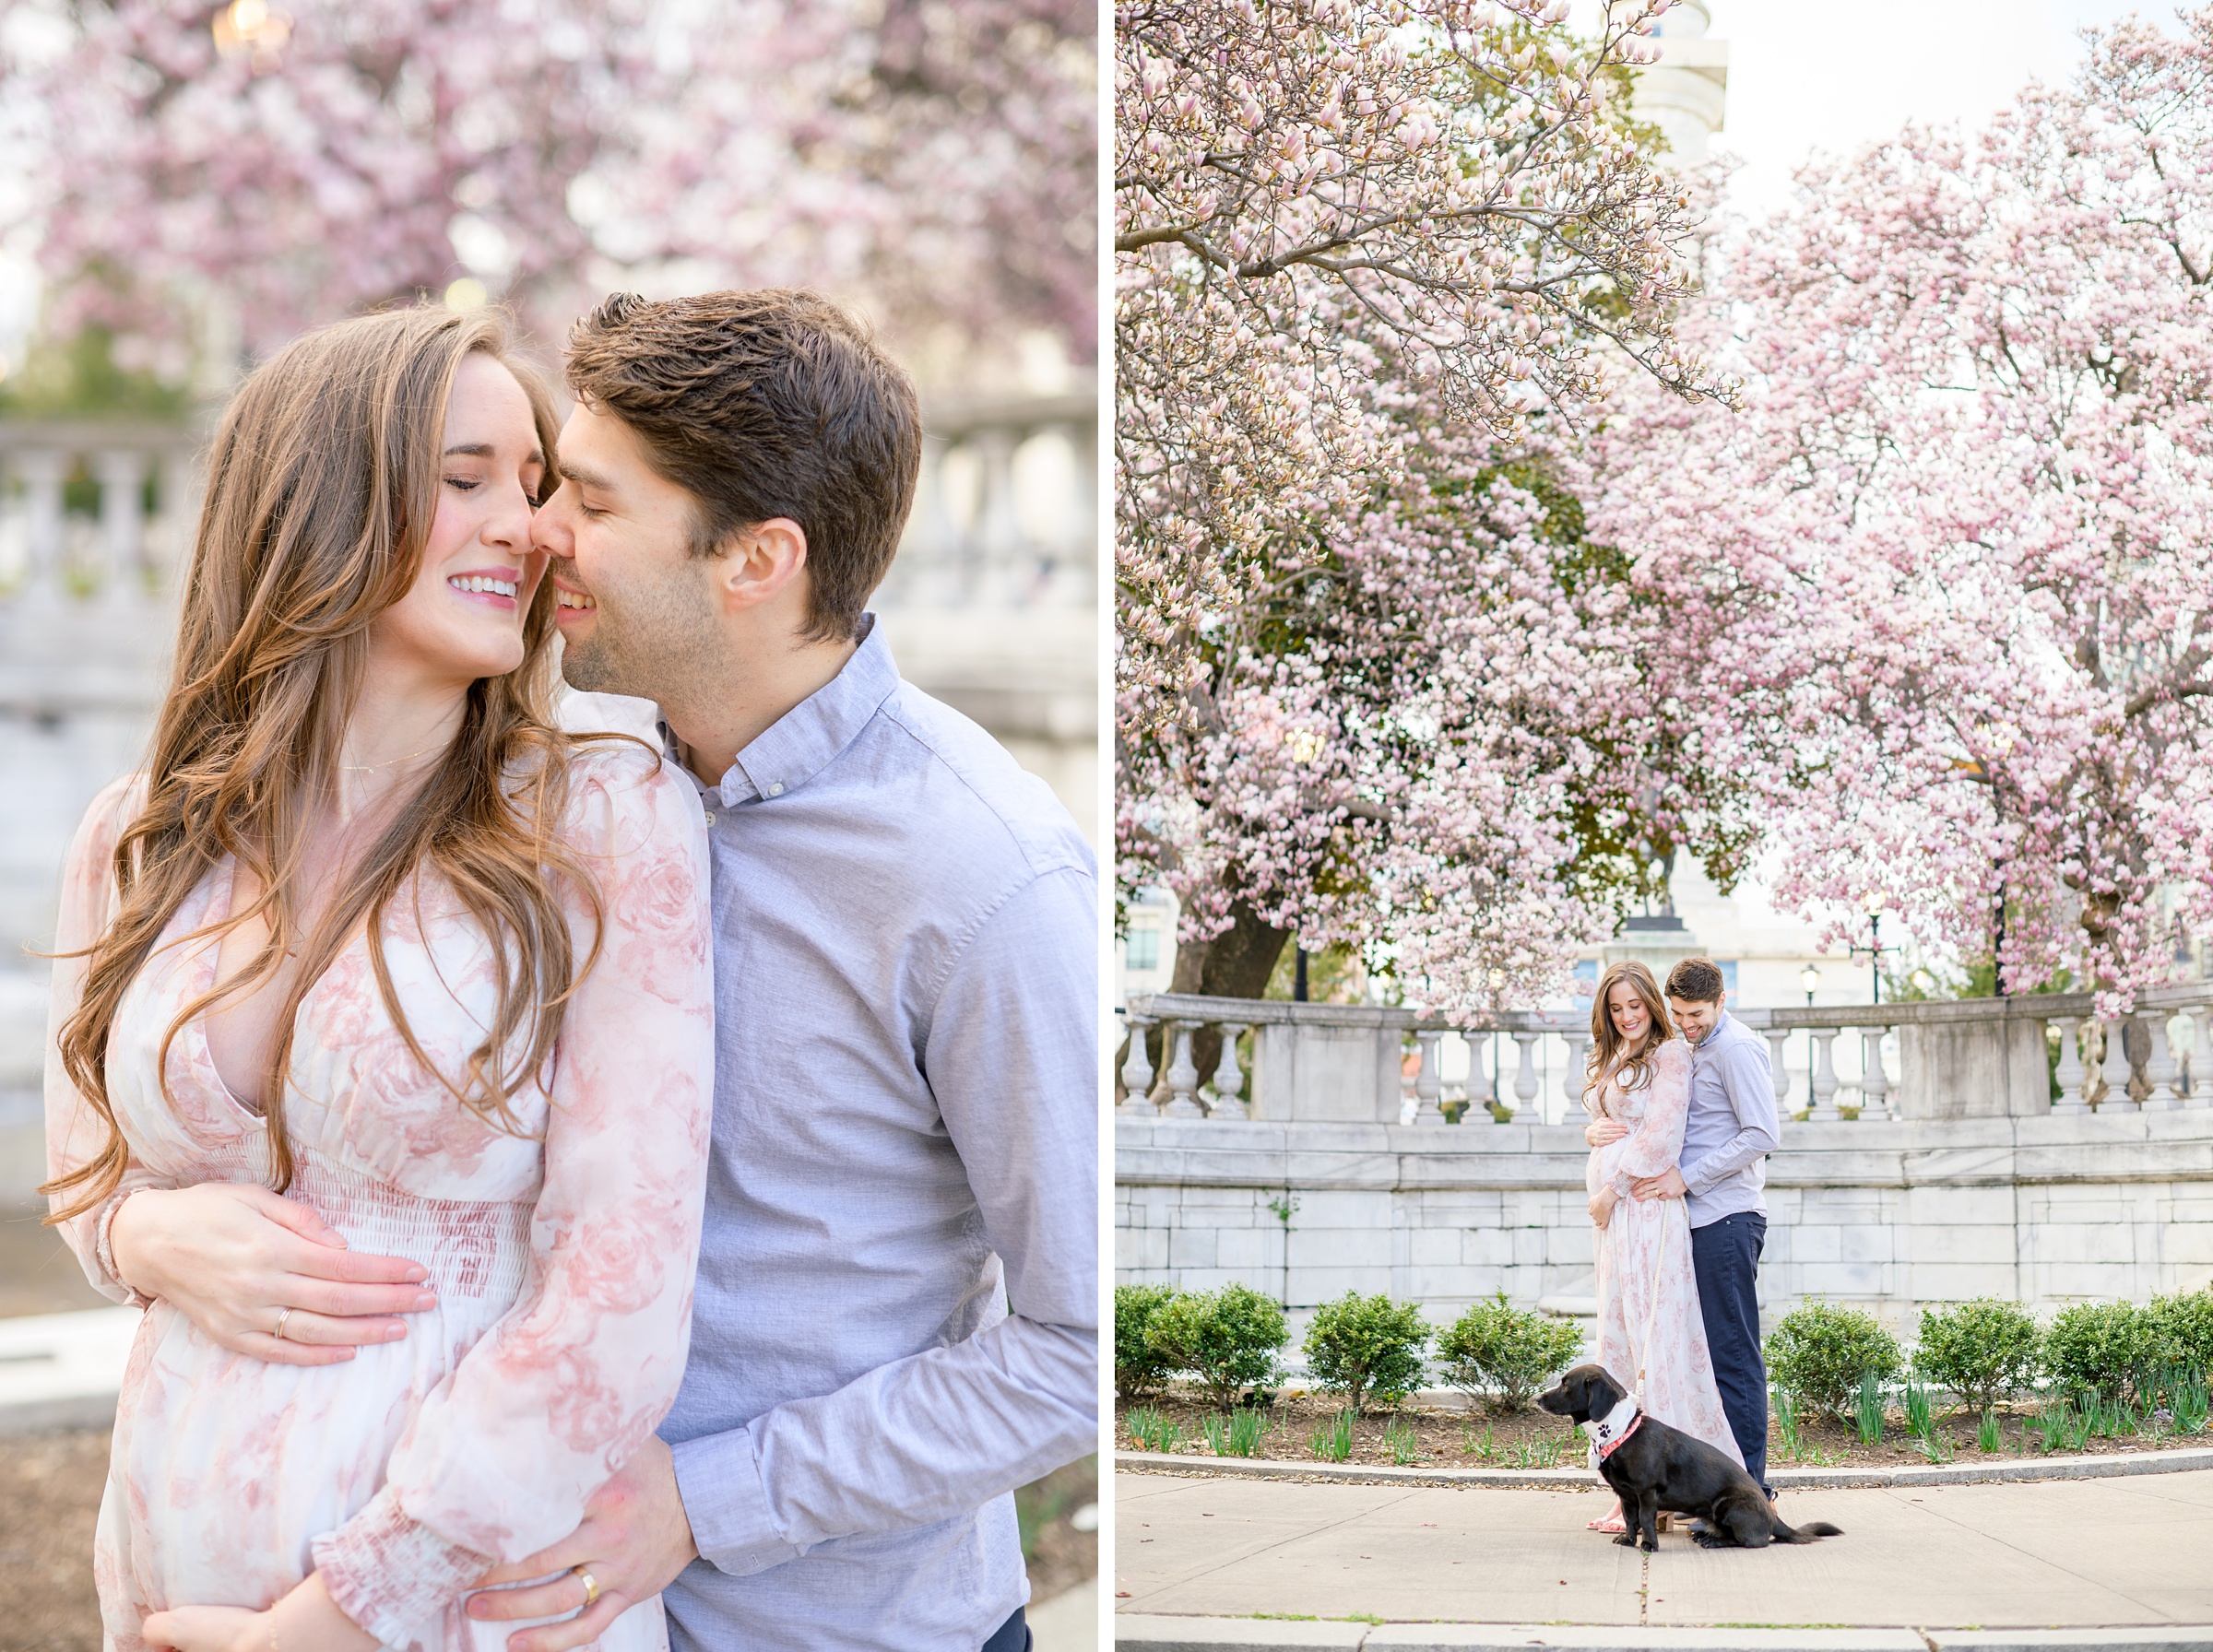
(1964, 1058)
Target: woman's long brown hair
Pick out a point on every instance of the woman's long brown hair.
(1607, 1046)
(322, 484)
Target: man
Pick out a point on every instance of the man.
(1732, 1127)
(895, 1321)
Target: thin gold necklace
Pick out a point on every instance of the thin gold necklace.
(372, 768)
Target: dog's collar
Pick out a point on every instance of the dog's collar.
(1615, 1426)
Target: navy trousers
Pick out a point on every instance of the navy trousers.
(1726, 1256)
(1013, 1635)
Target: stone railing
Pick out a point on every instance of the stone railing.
(979, 536)
(1005, 512)
(120, 553)
(1964, 1058)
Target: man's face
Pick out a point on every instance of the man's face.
(637, 610)
(1695, 1020)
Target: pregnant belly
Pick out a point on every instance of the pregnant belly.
(225, 1469)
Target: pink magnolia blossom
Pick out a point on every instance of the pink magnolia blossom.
(935, 161)
(1942, 592)
(1374, 259)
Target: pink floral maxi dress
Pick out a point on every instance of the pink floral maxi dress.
(562, 1255)
(1649, 1239)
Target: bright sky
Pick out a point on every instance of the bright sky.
(1804, 76)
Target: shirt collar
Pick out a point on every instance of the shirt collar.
(801, 744)
(1707, 1043)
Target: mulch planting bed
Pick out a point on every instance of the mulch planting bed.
(1438, 1438)
(49, 1496)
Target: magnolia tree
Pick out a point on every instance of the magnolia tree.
(938, 160)
(1428, 740)
(1373, 260)
(1943, 592)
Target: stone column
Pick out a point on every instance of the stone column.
(1137, 1070)
(1825, 1077)
(122, 474)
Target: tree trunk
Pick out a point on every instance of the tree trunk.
(1234, 964)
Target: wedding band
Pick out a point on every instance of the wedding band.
(591, 1587)
(279, 1332)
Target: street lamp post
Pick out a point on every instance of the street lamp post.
(1875, 947)
(1809, 977)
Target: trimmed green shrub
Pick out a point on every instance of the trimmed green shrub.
(1227, 1340)
(2113, 1348)
(1505, 1351)
(1138, 1371)
(1983, 1351)
(1368, 1348)
(1818, 1354)
(2184, 1326)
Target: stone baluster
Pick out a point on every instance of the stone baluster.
(1137, 1070)
(1573, 1077)
(1825, 1077)
(2114, 1070)
(1525, 1078)
(1230, 1078)
(1483, 1088)
(2163, 1073)
(1874, 1081)
(1075, 576)
(178, 489)
(2071, 1072)
(43, 473)
(1429, 1083)
(1778, 1069)
(121, 526)
(931, 576)
(1183, 1072)
(1001, 580)
(2199, 1092)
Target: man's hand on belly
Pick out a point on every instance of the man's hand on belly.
(633, 1542)
(237, 1260)
(1668, 1183)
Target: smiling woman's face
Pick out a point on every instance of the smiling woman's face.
(462, 620)
(1632, 1018)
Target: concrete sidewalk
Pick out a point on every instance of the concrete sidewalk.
(2039, 1554)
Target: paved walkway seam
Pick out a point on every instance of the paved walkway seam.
(1136, 1633)
(2111, 1466)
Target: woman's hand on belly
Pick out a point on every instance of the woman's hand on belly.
(307, 1619)
(1604, 1132)
(1601, 1206)
(233, 1258)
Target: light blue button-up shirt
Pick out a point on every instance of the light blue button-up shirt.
(1733, 1124)
(897, 1312)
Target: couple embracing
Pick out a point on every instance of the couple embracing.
(1679, 1127)
(585, 1188)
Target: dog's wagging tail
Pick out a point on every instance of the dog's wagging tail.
(1661, 1467)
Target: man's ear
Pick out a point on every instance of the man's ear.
(762, 563)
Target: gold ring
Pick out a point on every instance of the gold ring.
(591, 1587)
(279, 1332)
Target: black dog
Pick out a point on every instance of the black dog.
(1656, 1467)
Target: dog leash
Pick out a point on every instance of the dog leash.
(1652, 1312)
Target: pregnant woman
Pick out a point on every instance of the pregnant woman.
(1637, 1092)
(371, 934)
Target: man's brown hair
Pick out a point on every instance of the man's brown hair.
(765, 403)
(1696, 981)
